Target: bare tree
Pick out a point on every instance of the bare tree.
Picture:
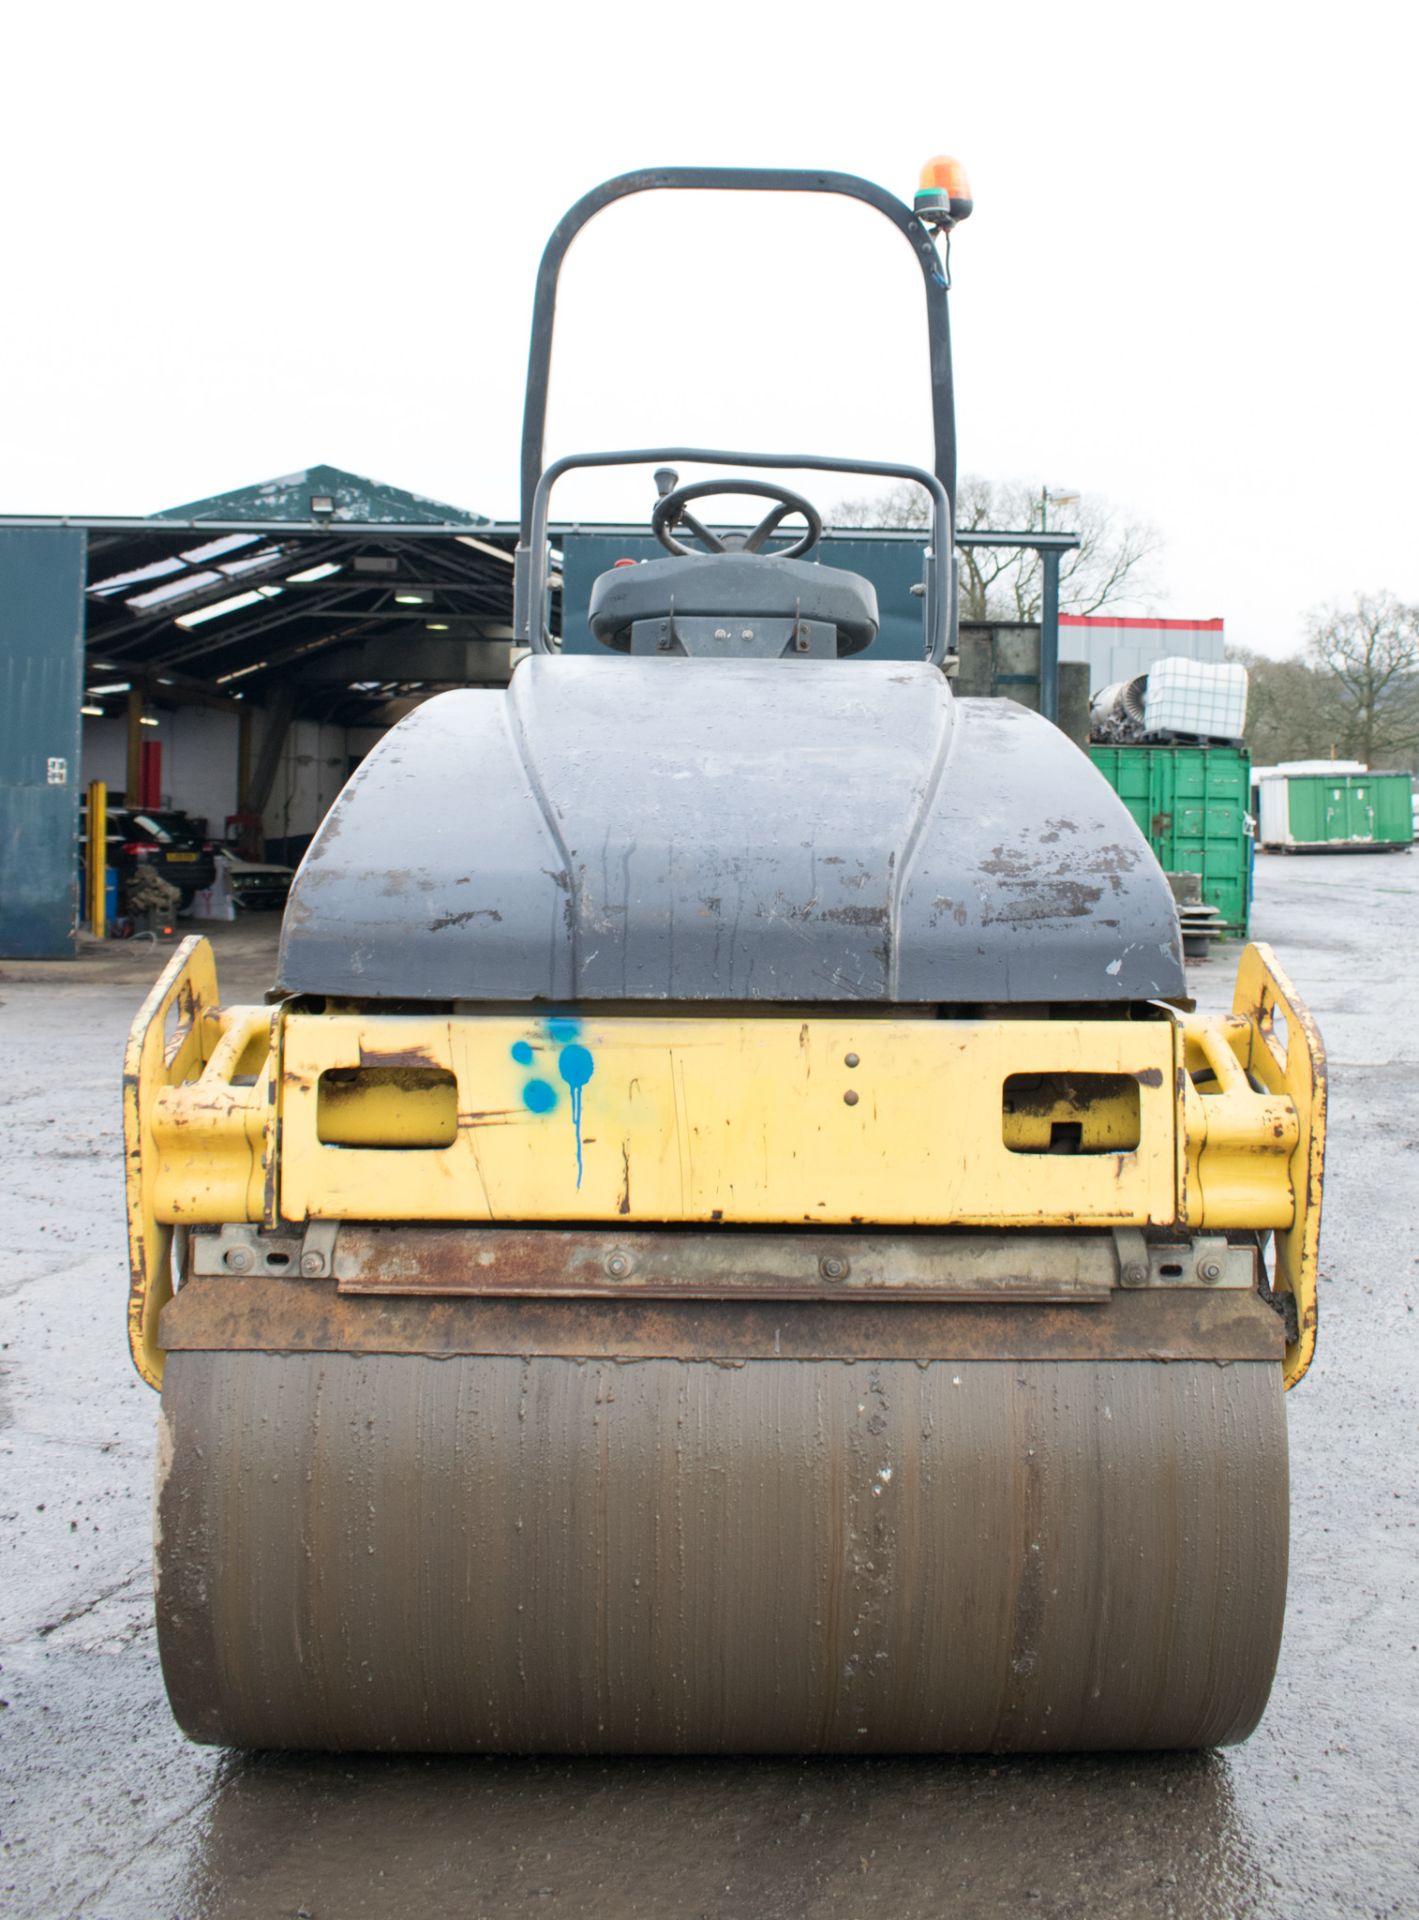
(1369, 651)
(1293, 710)
(1109, 570)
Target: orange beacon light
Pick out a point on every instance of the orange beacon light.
(943, 196)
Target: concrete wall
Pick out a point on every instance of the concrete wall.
(201, 766)
(200, 759)
(313, 766)
(200, 746)
(1002, 662)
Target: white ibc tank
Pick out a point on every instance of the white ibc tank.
(1201, 697)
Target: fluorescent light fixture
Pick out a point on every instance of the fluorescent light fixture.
(484, 546)
(94, 713)
(240, 673)
(182, 588)
(147, 720)
(217, 609)
(119, 686)
(214, 549)
(102, 666)
(165, 680)
(436, 626)
(414, 599)
(313, 573)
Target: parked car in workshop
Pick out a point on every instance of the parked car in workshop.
(170, 843)
(256, 885)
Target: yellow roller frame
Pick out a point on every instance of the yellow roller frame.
(1207, 1122)
(198, 1148)
(1286, 1054)
(707, 1119)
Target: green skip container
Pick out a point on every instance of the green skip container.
(1341, 812)
(1191, 804)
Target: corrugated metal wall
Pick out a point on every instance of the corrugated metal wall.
(41, 668)
(1121, 649)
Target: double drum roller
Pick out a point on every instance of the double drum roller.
(728, 1235)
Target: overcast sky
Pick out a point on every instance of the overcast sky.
(239, 241)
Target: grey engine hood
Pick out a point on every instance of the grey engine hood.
(798, 830)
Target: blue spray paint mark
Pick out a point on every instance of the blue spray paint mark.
(539, 1096)
(522, 1053)
(576, 1067)
(563, 1028)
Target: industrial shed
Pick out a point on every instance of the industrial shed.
(233, 657)
(236, 657)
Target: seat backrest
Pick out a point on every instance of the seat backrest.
(738, 605)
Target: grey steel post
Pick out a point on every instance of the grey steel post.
(1049, 636)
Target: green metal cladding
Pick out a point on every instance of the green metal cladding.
(1191, 803)
(1350, 808)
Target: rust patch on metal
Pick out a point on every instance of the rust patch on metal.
(405, 1073)
(397, 1057)
(263, 1314)
(676, 1264)
(623, 1205)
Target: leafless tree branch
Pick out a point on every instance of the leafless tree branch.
(1369, 652)
(1111, 569)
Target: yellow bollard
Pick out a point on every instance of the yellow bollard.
(96, 858)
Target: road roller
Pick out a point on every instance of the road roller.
(728, 1233)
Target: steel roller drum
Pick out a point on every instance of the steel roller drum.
(481, 1552)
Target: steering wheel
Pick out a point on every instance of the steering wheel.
(670, 512)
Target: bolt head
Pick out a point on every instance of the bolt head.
(1135, 1275)
(850, 1098)
(238, 1259)
(312, 1265)
(618, 1265)
(850, 1060)
(1210, 1271)
(833, 1266)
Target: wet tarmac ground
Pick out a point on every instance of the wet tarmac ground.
(106, 1811)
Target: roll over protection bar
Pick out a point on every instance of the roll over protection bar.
(531, 581)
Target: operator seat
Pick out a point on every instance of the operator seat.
(745, 606)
